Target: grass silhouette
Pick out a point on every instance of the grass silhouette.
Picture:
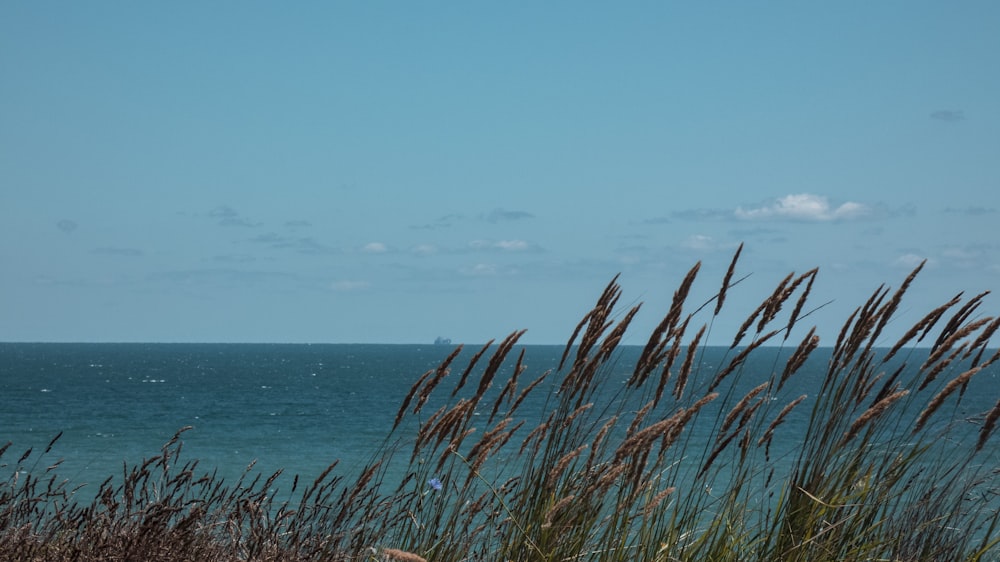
(678, 462)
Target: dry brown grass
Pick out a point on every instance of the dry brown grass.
(600, 467)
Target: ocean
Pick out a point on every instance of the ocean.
(291, 407)
(296, 407)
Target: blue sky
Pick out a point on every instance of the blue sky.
(391, 172)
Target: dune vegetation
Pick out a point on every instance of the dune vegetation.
(680, 460)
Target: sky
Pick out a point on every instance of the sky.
(391, 172)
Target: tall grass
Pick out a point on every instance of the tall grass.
(681, 460)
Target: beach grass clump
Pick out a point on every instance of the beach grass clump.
(783, 449)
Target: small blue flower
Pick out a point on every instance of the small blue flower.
(435, 484)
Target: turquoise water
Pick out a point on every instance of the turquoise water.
(296, 407)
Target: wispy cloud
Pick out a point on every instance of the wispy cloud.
(503, 215)
(224, 278)
(234, 258)
(269, 238)
(447, 221)
(962, 253)
(703, 214)
(755, 232)
(909, 261)
(66, 225)
(503, 245)
(949, 115)
(305, 245)
(424, 249)
(903, 210)
(656, 220)
(699, 242)
(805, 207)
(494, 216)
(512, 245)
(375, 248)
(345, 285)
(973, 211)
(308, 245)
(971, 256)
(974, 256)
(115, 251)
(225, 215)
(487, 270)
(796, 207)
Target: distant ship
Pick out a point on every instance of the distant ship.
(442, 341)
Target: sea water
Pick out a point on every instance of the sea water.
(296, 407)
(291, 407)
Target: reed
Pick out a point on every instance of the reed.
(879, 465)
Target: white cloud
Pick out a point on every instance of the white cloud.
(698, 242)
(512, 245)
(349, 285)
(803, 207)
(504, 245)
(481, 270)
(424, 249)
(850, 210)
(974, 256)
(955, 253)
(374, 248)
(909, 261)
